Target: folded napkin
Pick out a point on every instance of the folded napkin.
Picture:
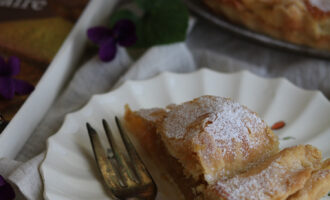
(219, 51)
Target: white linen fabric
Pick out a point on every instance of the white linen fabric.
(206, 46)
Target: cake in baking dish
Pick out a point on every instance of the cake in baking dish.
(305, 22)
(215, 148)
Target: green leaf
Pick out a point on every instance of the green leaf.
(122, 14)
(288, 138)
(165, 22)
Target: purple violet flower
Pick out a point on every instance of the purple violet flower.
(8, 84)
(122, 33)
(6, 191)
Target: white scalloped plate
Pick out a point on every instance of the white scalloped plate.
(69, 170)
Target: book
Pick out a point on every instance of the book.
(33, 31)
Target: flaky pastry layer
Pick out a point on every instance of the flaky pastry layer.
(275, 179)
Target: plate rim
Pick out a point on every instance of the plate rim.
(43, 165)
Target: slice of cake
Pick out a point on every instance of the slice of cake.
(215, 149)
(202, 140)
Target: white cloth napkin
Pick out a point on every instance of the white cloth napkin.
(94, 77)
(208, 47)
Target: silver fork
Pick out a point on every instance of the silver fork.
(126, 178)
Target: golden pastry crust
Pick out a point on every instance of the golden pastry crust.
(275, 179)
(213, 137)
(317, 186)
(296, 21)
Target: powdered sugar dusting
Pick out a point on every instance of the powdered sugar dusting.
(153, 114)
(226, 121)
(321, 174)
(228, 131)
(264, 185)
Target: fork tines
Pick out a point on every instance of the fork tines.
(125, 177)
